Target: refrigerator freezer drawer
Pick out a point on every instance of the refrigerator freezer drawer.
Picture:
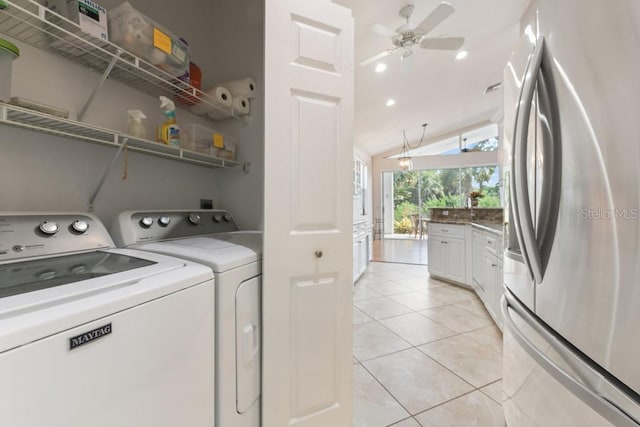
(547, 384)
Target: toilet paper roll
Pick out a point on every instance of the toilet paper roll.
(246, 87)
(219, 96)
(241, 105)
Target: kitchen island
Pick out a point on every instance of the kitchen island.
(465, 248)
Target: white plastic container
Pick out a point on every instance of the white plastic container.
(208, 141)
(144, 37)
(8, 52)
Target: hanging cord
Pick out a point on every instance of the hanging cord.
(125, 174)
(406, 141)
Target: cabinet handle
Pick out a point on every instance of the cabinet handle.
(494, 265)
(318, 254)
(445, 230)
(444, 242)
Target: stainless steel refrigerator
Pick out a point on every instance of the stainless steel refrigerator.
(571, 165)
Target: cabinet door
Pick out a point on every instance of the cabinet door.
(493, 281)
(308, 216)
(362, 263)
(478, 262)
(436, 254)
(455, 260)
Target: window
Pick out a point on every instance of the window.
(414, 192)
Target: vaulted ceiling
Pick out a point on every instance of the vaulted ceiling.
(433, 87)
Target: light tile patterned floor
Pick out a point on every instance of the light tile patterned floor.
(426, 353)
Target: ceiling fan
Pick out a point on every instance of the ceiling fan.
(408, 35)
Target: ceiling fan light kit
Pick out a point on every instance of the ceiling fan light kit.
(408, 35)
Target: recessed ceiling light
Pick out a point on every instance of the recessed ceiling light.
(390, 102)
(381, 67)
(462, 54)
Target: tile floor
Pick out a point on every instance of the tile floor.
(425, 353)
(403, 249)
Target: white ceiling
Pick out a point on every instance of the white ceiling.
(437, 89)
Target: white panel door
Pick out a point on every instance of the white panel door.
(307, 292)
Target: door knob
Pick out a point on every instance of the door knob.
(318, 254)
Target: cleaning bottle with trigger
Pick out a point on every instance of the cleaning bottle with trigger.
(136, 128)
(169, 131)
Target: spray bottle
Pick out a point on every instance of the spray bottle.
(169, 131)
(136, 128)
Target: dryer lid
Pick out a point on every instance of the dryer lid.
(220, 251)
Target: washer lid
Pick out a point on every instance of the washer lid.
(220, 251)
(34, 275)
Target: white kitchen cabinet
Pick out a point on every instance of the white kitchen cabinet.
(493, 282)
(477, 261)
(361, 249)
(447, 252)
(487, 271)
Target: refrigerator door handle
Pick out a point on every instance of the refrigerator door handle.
(525, 219)
(608, 405)
(551, 140)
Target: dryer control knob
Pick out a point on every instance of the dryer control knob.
(146, 222)
(49, 227)
(217, 218)
(227, 217)
(194, 218)
(80, 226)
(164, 221)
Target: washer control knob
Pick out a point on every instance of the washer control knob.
(146, 222)
(49, 227)
(80, 226)
(227, 217)
(164, 221)
(217, 218)
(47, 275)
(78, 269)
(194, 218)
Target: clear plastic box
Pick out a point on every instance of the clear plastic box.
(144, 37)
(207, 141)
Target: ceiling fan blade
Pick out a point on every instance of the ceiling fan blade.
(443, 43)
(381, 30)
(439, 14)
(374, 58)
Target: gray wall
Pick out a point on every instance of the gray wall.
(41, 172)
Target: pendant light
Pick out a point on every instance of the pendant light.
(404, 159)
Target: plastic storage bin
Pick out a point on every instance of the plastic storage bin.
(208, 141)
(144, 37)
(8, 52)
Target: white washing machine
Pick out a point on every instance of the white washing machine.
(212, 238)
(96, 336)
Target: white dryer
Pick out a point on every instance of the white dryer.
(212, 238)
(96, 336)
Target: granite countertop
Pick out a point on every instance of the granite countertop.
(483, 225)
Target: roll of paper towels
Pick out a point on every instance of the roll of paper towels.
(241, 105)
(219, 114)
(218, 96)
(245, 87)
